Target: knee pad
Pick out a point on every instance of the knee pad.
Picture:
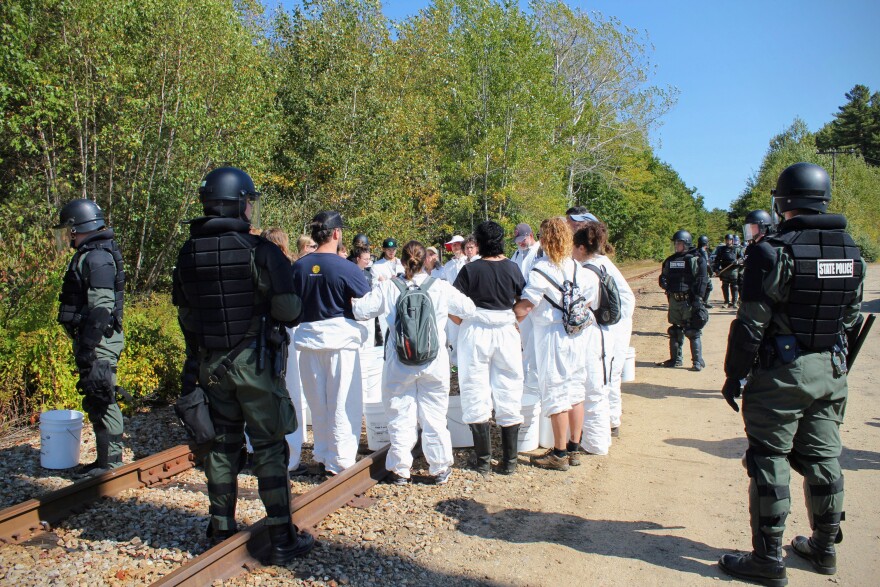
(674, 331)
(692, 334)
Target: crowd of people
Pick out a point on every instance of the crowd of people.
(266, 327)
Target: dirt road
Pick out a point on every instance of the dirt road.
(671, 496)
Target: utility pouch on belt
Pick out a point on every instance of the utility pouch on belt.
(786, 348)
(195, 416)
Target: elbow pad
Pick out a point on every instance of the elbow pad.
(742, 348)
(92, 332)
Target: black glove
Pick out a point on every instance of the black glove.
(731, 391)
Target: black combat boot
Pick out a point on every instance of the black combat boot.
(509, 441)
(674, 353)
(763, 565)
(217, 536)
(697, 353)
(482, 459)
(288, 543)
(102, 463)
(819, 549)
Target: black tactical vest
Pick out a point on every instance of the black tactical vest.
(725, 256)
(74, 291)
(216, 276)
(827, 274)
(679, 276)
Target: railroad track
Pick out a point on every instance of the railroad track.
(241, 552)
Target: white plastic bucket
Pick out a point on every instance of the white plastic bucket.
(372, 363)
(60, 438)
(377, 425)
(629, 365)
(545, 435)
(530, 430)
(458, 430)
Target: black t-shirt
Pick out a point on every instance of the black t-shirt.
(326, 283)
(492, 285)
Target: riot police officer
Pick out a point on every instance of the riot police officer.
(728, 258)
(91, 313)
(800, 308)
(757, 225)
(684, 278)
(703, 249)
(235, 296)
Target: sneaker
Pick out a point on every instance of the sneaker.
(395, 479)
(550, 461)
(615, 432)
(442, 478)
(300, 470)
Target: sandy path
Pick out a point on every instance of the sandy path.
(671, 497)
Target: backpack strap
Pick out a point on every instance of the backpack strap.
(427, 283)
(401, 284)
(574, 274)
(554, 284)
(594, 269)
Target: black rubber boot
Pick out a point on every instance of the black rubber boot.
(288, 543)
(217, 536)
(674, 352)
(509, 441)
(482, 459)
(697, 353)
(763, 565)
(819, 549)
(101, 464)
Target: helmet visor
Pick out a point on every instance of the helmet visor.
(253, 210)
(750, 231)
(63, 238)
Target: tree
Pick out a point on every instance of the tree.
(856, 125)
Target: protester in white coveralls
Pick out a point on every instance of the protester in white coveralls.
(620, 332)
(328, 340)
(432, 263)
(450, 272)
(293, 384)
(596, 437)
(416, 395)
(388, 265)
(525, 256)
(489, 355)
(562, 358)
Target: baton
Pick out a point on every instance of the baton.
(718, 274)
(860, 339)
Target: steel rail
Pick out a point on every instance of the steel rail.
(35, 516)
(247, 548)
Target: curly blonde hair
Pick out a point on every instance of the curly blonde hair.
(556, 239)
(279, 237)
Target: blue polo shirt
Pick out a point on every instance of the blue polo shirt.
(326, 283)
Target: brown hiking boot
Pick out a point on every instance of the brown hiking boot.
(551, 461)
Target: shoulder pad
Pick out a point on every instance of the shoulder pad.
(99, 269)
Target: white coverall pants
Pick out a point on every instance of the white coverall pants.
(294, 389)
(414, 396)
(330, 371)
(596, 437)
(561, 365)
(490, 368)
(530, 367)
(621, 332)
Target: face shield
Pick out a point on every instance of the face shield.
(750, 231)
(253, 209)
(679, 247)
(63, 238)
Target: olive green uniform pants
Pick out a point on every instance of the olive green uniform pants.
(792, 414)
(254, 397)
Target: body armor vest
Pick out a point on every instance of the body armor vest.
(725, 256)
(74, 291)
(827, 274)
(679, 277)
(217, 279)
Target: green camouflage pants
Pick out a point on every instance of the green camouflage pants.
(252, 397)
(792, 416)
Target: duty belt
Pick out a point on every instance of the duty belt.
(679, 296)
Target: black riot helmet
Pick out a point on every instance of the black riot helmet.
(703, 241)
(728, 237)
(81, 215)
(683, 236)
(361, 240)
(802, 186)
(762, 223)
(226, 192)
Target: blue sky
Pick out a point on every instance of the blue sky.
(745, 70)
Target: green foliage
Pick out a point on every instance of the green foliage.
(856, 126)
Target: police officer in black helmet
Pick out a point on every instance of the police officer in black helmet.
(91, 313)
(684, 278)
(703, 249)
(728, 258)
(235, 296)
(801, 298)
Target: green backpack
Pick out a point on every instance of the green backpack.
(415, 329)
